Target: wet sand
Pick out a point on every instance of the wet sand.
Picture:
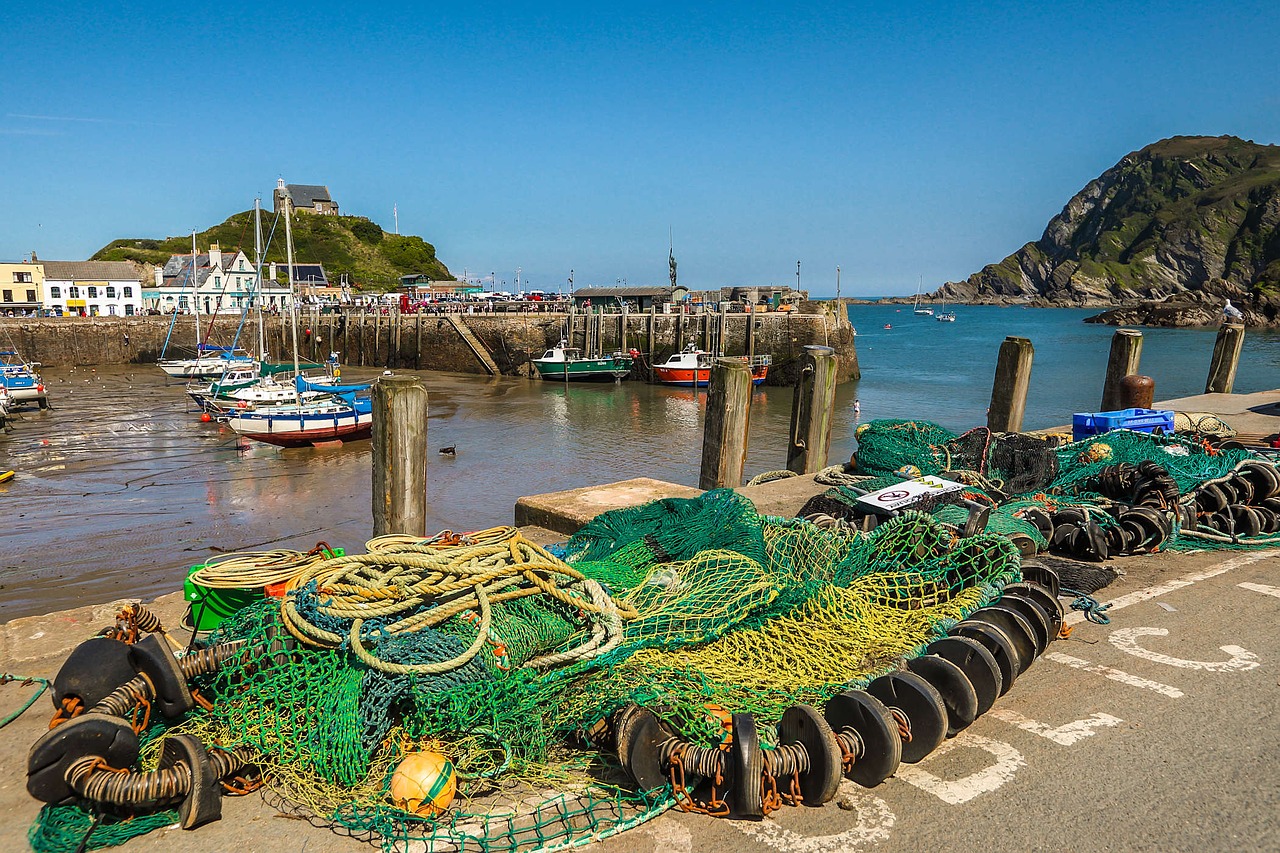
(121, 488)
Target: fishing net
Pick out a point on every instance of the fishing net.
(502, 656)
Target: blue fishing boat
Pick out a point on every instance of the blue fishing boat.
(21, 380)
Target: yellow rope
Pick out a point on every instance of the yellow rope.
(403, 574)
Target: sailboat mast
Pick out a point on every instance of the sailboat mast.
(293, 302)
(195, 293)
(257, 265)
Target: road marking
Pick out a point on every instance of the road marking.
(964, 789)
(1064, 735)
(874, 821)
(1142, 595)
(1262, 588)
(1126, 640)
(1115, 674)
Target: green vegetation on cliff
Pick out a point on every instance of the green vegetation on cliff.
(343, 244)
(1189, 213)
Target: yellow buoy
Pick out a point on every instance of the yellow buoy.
(911, 472)
(424, 783)
(1097, 452)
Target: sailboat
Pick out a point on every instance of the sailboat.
(210, 360)
(345, 414)
(945, 316)
(926, 311)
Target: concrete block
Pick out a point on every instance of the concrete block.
(566, 512)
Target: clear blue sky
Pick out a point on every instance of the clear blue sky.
(894, 139)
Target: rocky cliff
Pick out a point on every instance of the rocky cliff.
(1190, 219)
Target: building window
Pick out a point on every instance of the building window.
(93, 292)
(55, 293)
(128, 309)
(31, 296)
(73, 292)
(217, 281)
(111, 291)
(22, 278)
(8, 296)
(93, 310)
(111, 309)
(128, 292)
(182, 302)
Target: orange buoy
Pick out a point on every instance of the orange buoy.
(205, 417)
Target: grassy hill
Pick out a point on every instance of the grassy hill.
(1185, 214)
(353, 245)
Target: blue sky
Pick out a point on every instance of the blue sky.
(896, 140)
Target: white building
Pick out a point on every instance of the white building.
(93, 288)
(223, 283)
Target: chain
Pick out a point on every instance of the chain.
(904, 723)
(851, 747)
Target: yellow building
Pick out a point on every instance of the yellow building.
(21, 288)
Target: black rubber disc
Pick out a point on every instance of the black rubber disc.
(958, 695)
(922, 706)
(640, 738)
(1052, 621)
(1035, 616)
(1015, 627)
(1039, 593)
(746, 766)
(998, 643)
(804, 725)
(1035, 572)
(977, 664)
(877, 730)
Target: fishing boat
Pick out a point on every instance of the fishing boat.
(691, 367)
(563, 363)
(338, 413)
(926, 311)
(21, 380)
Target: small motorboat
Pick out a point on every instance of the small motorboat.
(692, 368)
(888, 325)
(6, 476)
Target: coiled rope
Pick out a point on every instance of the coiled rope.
(402, 578)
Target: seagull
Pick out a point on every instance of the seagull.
(451, 450)
(1231, 312)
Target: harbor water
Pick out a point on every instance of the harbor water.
(121, 487)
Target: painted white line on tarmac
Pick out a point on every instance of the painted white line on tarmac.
(1062, 735)
(1126, 640)
(1115, 674)
(1262, 588)
(964, 789)
(874, 821)
(1149, 593)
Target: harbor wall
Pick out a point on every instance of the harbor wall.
(426, 341)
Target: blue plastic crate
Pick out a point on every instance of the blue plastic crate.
(1085, 424)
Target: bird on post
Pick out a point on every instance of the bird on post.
(1231, 313)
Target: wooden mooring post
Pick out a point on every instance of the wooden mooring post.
(724, 433)
(1226, 358)
(1009, 391)
(811, 410)
(399, 456)
(1126, 353)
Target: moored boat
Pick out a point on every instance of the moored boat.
(691, 367)
(298, 424)
(21, 380)
(209, 361)
(563, 363)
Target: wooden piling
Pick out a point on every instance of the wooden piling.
(1226, 358)
(724, 434)
(1126, 353)
(811, 411)
(751, 333)
(1009, 391)
(417, 346)
(622, 329)
(399, 456)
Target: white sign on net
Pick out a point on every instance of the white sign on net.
(905, 494)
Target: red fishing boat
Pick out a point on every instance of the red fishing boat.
(692, 368)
